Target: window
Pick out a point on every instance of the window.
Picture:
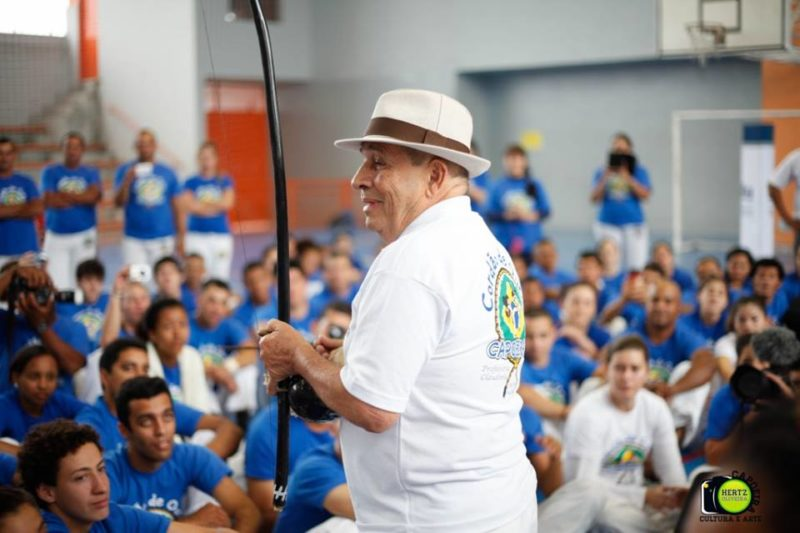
(35, 17)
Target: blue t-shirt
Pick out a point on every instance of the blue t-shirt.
(163, 491)
(551, 280)
(666, 356)
(8, 466)
(531, 429)
(619, 206)
(208, 190)
(90, 316)
(319, 302)
(599, 336)
(59, 178)
(791, 286)
(67, 329)
(148, 213)
(262, 434)
(685, 281)
(735, 294)
(778, 307)
(15, 422)
(120, 518)
(317, 473)
(711, 333)
(248, 312)
(724, 413)
(564, 367)
(516, 235)
(104, 422)
(211, 342)
(17, 235)
(481, 181)
(614, 283)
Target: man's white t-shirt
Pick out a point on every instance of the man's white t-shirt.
(604, 442)
(437, 335)
(789, 169)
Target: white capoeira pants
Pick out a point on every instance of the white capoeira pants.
(632, 239)
(216, 250)
(65, 251)
(146, 251)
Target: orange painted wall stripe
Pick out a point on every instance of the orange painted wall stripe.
(88, 39)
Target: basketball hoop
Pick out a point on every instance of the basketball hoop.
(707, 38)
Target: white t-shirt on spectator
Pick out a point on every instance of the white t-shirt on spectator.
(425, 341)
(601, 441)
(725, 347)
(789, 169)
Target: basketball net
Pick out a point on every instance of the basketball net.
(707, 38)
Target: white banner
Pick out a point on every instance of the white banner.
(756, 220)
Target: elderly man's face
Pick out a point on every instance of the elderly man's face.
(393, 190)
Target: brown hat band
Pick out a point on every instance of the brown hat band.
(405, 131)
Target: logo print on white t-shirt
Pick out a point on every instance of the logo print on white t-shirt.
(509, 320)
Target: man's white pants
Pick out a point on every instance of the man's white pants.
(216, 250)
(632, 239)
(65, 251)
(146, 251)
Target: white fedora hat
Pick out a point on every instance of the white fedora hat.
(426, 121)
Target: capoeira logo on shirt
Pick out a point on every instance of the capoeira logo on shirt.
(624, 459)
(72, 184)
(509, 323)
(13, 196)
(208, 193)
(150, 191)
(660, 371)
(92, 320)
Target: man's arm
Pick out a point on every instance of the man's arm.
(10, 449)
(112, 321)
(124, 189)
(41, 318)
(180, 223)
(227, 435)
(90, 196)
(338, 502)
(239, 507)
(261, 491)
(546, 407)
(700, 372)
(30, 209)
(776, 196)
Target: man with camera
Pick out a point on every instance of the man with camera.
(148, 190)
(20, 204)
(619, 188)
(427, 394)
(765, 363)
(31, 316)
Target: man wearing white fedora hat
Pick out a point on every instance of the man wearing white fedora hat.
(431, 436)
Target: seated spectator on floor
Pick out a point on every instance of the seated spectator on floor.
(229, 353)
(709, 317)
(19, 513)
(195, 274)
(34, 398)
(342, 281)
(738, 267)
(609, 435)
(62, 465)
(28, 291)
(257, 283)
(166, 324)
(521, 266)
(126, 308)
(125, 359)
(767, 277)
(343, 243)
(148, 191)
(318, 490)
(168, 275)
(590, 270)
(578, 330)
(707, 268)
(533, 298)
(8, 469)
(681, 363)
(636, 290)
(791, 282)
(154, 473)
(549, 370)
(747, 317)
(260, 452)
(517, 204)
(90, 275)
(775, 352)
(613, 274)
(544, 453)
(663, 255)
(545, 267)
(301, 313)
(20, 204)
(309, 255)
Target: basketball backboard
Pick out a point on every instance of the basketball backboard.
(696, 27)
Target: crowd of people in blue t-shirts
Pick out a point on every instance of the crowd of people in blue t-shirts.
(152, 390)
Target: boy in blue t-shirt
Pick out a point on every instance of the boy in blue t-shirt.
(545, 268)
(710, 318)
(91, 312)
(317, 491)
(148, 191)
(20, 204)
(154, 473)
(767, 278)
(125, 359)
(71, 193)
(61, 464)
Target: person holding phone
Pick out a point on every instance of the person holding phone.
(148, 190)
(619, 188)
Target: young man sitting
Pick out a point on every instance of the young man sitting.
(154, 473)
